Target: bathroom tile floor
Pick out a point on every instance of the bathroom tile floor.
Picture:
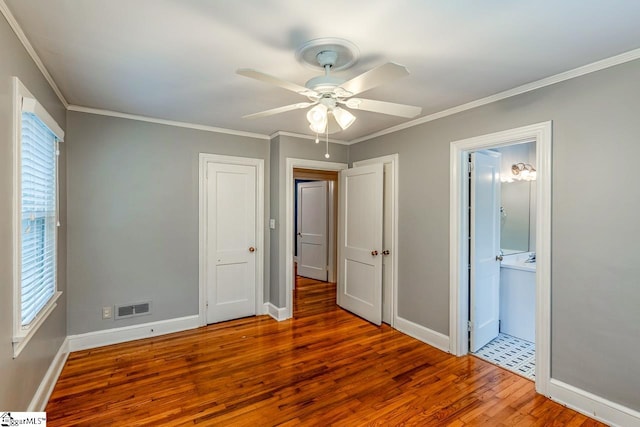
(511, 353)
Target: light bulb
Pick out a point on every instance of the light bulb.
(317, 139)
(326, 155)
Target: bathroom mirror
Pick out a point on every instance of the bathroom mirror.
(515, 221)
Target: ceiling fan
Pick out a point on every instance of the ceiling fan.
(327, 95)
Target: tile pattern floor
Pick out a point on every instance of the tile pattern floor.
(511, 353)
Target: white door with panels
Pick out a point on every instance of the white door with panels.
(231, 241)
(485, 249)
(360, 242)
(312, 230)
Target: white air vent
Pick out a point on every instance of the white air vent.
(131, 310)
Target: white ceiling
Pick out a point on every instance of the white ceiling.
(176, 59)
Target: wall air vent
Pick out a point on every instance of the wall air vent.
(131, 310)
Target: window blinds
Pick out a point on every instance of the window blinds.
(38, 153)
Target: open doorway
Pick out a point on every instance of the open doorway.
(460, 248)
(315, 219)
(502, 193)
(387, 250)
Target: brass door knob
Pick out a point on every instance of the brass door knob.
(386, 252)
(252, 249)
(374, 253)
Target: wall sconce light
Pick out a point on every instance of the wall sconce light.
(523, 172)
(520, 172)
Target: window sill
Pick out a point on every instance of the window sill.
(23, 336)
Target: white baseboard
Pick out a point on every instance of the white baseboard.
(593, 406)
(279, 314)
(419, 332)
(41, 397)
(130, 333)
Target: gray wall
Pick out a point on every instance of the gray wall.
(298, 148)
(22, 376)
(133, 216)
(595, 231)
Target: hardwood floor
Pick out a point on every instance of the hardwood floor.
(324, 367)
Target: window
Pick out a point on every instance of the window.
(36, 138)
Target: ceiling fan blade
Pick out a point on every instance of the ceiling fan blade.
(279, 110)
(258, 75)
(375, 77)
(391, 108)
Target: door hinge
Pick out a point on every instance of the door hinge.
(469, 166)
(469, 324)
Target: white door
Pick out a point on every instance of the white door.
(360, 242)
(485, 247)
(231, 241)
(312, 230)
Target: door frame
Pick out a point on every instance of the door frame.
(541, 134)
(393, 159)
(292, 163)
(204, 159)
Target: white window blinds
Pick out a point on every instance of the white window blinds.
(38, 152)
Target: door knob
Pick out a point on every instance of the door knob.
(498, 257)
(386, 252)
(374, 253)
(252, 249)
(299, 234)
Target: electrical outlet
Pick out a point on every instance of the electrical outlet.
(106, 313)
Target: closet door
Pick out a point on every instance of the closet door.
(360, 242)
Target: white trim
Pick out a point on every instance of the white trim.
(458, 247)
(426, 335)
(31, 51)
(21, 335)
(131, 333)
(205, 158)
(629, 56)
(277, 313)
(187, 125)
(593, 406)
(21, 338)
(303, 136)
(289, 226)
(41, 397)
(393, 159)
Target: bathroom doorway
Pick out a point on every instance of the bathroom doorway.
(502, 256)
(461, 303)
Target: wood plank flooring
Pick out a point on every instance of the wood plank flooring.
(324, 367)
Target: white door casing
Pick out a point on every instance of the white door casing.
(541, 134)
(231, 237)
(312, 224)
(360, 242)
(485, 246)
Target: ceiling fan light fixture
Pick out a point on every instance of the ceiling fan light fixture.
(317, 117)
(343, 117)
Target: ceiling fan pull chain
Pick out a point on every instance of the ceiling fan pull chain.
(326, 154)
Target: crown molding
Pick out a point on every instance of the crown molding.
(547, 81)
(31, 51)
(187, 125)
(303, 136)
